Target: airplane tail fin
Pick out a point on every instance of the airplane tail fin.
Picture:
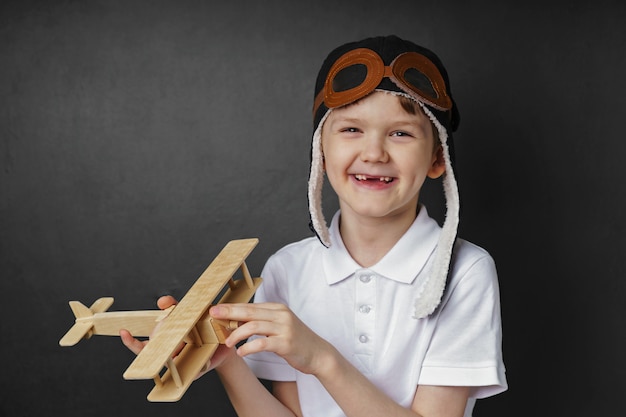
(83, 326)
(80, 310)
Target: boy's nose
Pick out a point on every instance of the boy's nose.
(373, 150)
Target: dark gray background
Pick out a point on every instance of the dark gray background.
(138, 137)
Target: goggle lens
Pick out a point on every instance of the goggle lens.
(349, 78)
(419, 82)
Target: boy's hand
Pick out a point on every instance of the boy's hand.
(136, 345)
(284, 333)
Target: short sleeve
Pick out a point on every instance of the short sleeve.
(466, 348)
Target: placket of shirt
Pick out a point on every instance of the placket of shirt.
(365, 318)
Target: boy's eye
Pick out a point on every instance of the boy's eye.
(350, 130)
(401, 134)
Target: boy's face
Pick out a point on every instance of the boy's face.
(377, 156)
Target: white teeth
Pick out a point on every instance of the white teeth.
(362, 177)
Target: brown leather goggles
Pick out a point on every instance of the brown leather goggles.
(358, 72)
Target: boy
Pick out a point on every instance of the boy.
(390, 314)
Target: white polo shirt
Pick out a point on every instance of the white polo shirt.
(366, 313)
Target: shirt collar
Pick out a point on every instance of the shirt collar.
(402, 263)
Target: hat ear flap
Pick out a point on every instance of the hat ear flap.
(316, 183)
(432, 291)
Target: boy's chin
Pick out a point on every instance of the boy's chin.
(379, 211)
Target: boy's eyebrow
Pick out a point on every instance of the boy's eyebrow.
(345, 120)
(409, 122)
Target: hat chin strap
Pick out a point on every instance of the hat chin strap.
(430, 293)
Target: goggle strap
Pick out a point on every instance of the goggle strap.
(319, 99)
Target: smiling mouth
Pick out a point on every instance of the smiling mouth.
(363, 177)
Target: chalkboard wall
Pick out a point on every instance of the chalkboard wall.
(138, 137)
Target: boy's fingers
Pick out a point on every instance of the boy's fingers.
(166, 301)
(130, 342)
(233, 312)
(245, 312)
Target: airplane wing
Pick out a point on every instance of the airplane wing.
(182, 321)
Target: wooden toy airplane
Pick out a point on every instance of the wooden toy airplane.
(189, 321)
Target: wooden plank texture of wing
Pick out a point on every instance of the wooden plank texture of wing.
(194, 304)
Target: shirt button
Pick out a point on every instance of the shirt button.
(365, 279)
(363, 339)
(365, 309)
